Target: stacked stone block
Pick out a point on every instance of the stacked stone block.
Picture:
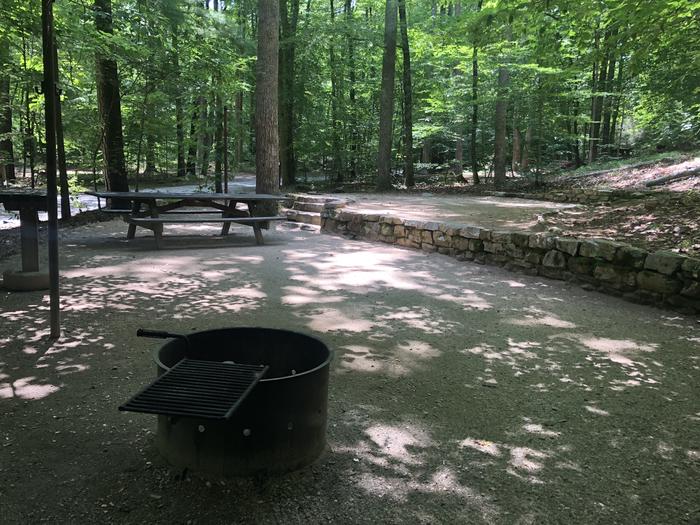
(662, 278)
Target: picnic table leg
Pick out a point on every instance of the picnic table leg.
(29, 236)
(258, 234)
(158, 233)
(230, 212)
(131, 231)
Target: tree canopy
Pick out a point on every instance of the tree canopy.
(558, 81)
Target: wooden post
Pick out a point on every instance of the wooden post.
(49, 88)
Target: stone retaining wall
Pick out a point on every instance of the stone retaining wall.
(660, 278)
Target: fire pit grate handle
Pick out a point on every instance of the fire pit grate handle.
(160, 334)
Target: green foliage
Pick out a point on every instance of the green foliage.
(172, 52)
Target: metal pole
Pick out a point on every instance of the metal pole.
(49, 89)
(225, 149)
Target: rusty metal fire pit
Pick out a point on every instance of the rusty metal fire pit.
(239, 401)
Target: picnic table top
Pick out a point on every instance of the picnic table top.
(26, 199)
(150, 195)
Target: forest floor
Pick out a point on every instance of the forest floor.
(459, 393)
(667, 218)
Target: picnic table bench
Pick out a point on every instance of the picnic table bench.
(152, 210)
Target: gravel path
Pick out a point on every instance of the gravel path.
(459, 393)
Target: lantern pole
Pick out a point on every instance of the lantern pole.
(49, 89)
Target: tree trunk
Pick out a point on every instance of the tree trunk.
(499, 146)
(616, 103)
(515, 163)
(179, 113)
(527, 148)
(60, 145)
(205, 122)
(607, 103)
(266, 99)
(109, 105)
(352, 118)
(598, 81)
(218, 143)
(190, 165)
(336, 148)
(475, 105)
(425, 151)
(386, 112)
(286, 83)
(238, 117)
(150, 168)
(7, 156)
(407, 100)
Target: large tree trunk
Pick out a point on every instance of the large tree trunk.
(286, 80)
(407, 99)
(266, 99)
(499, 146)
(109, 105)
(386, 111)
(7, 156)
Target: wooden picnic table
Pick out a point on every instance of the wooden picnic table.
(152, 209)
(28, 203)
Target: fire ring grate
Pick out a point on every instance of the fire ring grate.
(198, 388)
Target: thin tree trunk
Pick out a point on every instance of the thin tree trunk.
(266, 96)
(527, 149)
(190, 165)
(616, 104)
(598, 81)
(407, 99)
(336, 149)
(286, 104)
(205, 121)
(150, 168)
(386, 112)
(238, 117)
(515, 163)
(475, 105)
(425, 151)
(109, 104)
(218, 143)
(60, 145)
(352, 92)
(608, 101)
(7, 156)
(499, 146)
(179, 113)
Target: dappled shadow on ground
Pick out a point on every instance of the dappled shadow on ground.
(459, 393)
(512, 214)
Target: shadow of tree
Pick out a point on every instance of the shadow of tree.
(458, 394)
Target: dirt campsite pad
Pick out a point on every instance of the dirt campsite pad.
(459, 393)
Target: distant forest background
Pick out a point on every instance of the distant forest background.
(478, 86)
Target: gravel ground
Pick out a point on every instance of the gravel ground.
(459, 393)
